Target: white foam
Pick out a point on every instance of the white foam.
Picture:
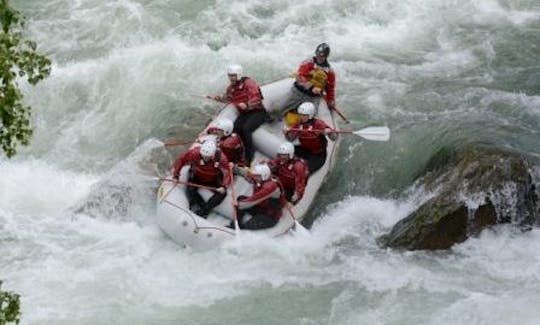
(122, 73)
(34, 187)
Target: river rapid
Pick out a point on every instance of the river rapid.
(125, 76)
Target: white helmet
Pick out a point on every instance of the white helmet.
(262, 170)
(235, 69)
(208, 149)
(307, 108)
(226, 125)
(286, 148)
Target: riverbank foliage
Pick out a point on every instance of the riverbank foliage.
(9, 307)
(19, 62)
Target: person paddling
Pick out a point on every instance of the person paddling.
(315, 78)
(208, 167)
(312, 133)
(292, 172)
(266, 203)
(228, 141)
(245, 94)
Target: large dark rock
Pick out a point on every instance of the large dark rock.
(476, 186)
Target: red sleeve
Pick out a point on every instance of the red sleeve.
(331, 87)
(254, 93)
(292, 133)
(265, 192)
(320, 125)
(225, 169)
(301, 172)
(234, 147)
(183, 160)
(228, 93)
(273, 163)
(235, 141)
(302, 74)
(211, 130)
(231, 143)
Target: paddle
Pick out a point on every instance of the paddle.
(177, 142)
(297, 224)
(291, 75)
(200, 95)
(323, 93)
(213, 98)
(190, 184)
(338, 111)
(234, 202)
(374, 133)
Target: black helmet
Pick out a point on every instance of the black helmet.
(323, 48)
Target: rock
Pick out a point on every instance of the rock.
(128, 186)
(476, 186)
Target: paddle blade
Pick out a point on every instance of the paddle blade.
(298, 228)
(375, 133)
(236, 228)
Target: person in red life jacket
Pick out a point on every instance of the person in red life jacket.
(312, 133)
(208, 167)
(265, 204)
(291, 171)
(245, 94)
(315, 78)
(229, 142)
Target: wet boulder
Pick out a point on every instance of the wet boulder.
(474, 187)
(127, 187)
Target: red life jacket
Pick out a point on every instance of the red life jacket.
(215, 170)
(292, 174)
(314, 142)
(233, 147)
(246, 91)
(307, 67)
(268, 197)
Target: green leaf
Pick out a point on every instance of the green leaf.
(18, 56)
(9, 307)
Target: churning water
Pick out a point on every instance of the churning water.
(125, 72)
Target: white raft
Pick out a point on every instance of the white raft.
(188, 229)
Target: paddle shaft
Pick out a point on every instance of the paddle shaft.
(374, 133)
(234, 202)
(320, 131)
(338, 111)
(296, 223)
(211, 188)
(291, 75)
(178, 142)
(184, 142)
(200, 95)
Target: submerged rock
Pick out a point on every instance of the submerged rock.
(476, 186)
(128, 186)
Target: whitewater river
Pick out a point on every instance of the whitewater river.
(125, 76)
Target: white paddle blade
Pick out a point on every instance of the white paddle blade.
(299, 229)
(236, 228)
(375, 133)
